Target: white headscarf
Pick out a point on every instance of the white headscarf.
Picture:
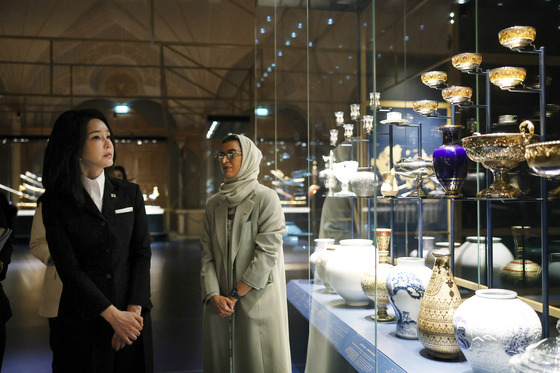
(235, 189)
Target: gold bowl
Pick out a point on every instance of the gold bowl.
(500, 152)
(434, 79)
(425, 107)
(457, 94)
(507, 77)
(517, 36)
(544, 158)
(466, 61)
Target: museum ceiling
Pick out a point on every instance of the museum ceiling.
(193, 59)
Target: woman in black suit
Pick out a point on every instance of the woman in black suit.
(8, 213)
(97, 234)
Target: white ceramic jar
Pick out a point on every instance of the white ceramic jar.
(320, 267)
(467, 260)
(321, 245)
(492, 326)
(554, 269)
(345, 269)
(406, 284)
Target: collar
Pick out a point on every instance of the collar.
(89, 184)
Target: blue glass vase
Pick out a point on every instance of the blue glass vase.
(451, 162)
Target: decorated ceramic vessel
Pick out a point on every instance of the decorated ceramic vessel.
(492, 326)
(435, 319)
(374, 280)
(406, 285)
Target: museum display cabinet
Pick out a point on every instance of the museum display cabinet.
(422, 136)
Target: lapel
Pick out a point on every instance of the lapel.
(91, 206)
(242, 213)
(110, 196)
(221, 227)
(109, 199)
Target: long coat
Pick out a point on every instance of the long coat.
(259, 326)
(52, 285)
(103, 259)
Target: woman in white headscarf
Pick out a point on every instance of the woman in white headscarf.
(243, 277)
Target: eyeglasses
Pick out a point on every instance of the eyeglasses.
(229, 155)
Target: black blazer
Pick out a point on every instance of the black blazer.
(102, 258)
(7, 215)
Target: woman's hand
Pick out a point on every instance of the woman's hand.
(127, 325)
(223, 306)
(118, 343)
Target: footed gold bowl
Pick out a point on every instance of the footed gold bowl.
(544, 158)
(500, 152)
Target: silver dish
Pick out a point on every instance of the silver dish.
(417, 168)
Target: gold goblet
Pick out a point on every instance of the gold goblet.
(500, 152)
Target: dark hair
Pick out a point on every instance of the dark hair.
(61, 166)
(122, 170)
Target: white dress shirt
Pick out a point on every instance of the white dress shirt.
(95, 189)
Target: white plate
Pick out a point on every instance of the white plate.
(395, 121)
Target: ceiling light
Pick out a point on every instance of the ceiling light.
(212, 129)
(261, 111)
(121, 109)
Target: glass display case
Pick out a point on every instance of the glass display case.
(368, 98)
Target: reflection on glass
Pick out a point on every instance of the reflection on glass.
(339, 115)
(521, 271)
(354, 111)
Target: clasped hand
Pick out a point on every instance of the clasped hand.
(223, 306)
(126, 324)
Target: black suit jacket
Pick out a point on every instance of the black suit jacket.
(102, 258)
(7, 215)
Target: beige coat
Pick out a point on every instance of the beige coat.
(52, 285)
(259, 325)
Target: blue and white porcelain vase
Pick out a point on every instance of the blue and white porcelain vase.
(406, 284)
(492, 326)
(451, 161)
